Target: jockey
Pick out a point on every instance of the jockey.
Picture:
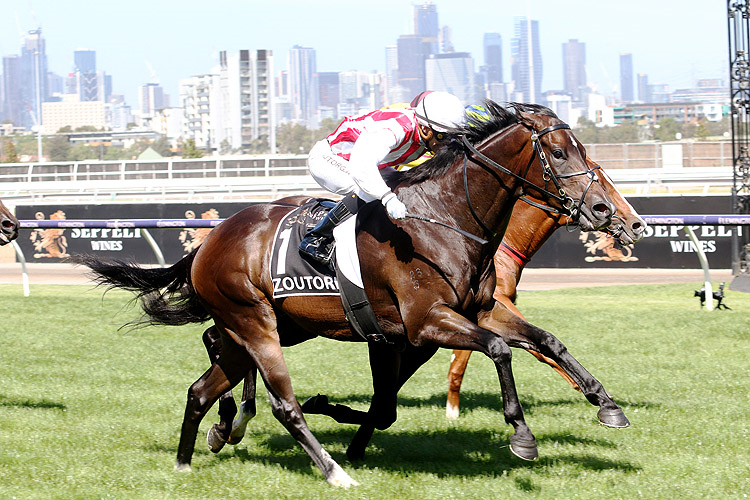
(349, 161)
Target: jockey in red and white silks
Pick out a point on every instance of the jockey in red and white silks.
(348, 162)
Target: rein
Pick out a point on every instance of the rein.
(567, 203)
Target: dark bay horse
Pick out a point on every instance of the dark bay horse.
(8, 225)
(529, 228)
(471, 184)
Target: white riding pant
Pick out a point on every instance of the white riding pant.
(332, 172)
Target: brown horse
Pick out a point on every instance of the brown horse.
(471, 184)
(8, 225)
(529, 228)
(531, 225)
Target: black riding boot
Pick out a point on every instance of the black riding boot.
(318, 243)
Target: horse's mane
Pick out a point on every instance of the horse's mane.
(476, 129)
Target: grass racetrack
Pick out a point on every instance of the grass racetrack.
(87, 411)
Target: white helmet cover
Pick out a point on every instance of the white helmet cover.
(439, 110)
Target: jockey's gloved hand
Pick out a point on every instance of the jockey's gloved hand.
(394, 207)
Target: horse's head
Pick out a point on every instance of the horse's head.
(8, 225)
(559, 173)
(627, 226)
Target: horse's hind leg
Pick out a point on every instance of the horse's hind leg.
(247, 407)
(270, 362)
(229, 430)
(221, 377)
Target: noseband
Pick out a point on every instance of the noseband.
(567, 203)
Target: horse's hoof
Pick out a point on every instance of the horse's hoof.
(214, 439)
(524, 448)
(341, 479)
(613, 417)
(315, 404)
(182, 467)
(234, 439)
(451, 411)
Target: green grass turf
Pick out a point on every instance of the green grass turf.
(87, 411)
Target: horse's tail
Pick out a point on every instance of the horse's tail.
(166, 294)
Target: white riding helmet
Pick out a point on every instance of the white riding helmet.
(439, 110)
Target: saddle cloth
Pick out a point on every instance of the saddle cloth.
(293, 275)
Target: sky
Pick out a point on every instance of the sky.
(137, 41)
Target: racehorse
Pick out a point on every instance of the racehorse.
(8, 225)
(470, 184)
(529, 228)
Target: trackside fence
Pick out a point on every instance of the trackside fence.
(688, 222)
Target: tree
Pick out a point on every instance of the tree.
(162, 146)
(190, 151)
(58, 148)
(9, 152)
(666, 129)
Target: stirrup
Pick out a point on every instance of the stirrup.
(318, 248)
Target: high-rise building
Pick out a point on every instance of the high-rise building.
(329, 89)
(201, 106)
(245, 116)
(426, 26)
(151, 98)
(86, 76)
(574, 69)
(33, 77)
(493, 58)
(13, 108)
(411, 64)
(452, 73)
(626, 78)
(526, 68)
(644, 90)
(303, 86)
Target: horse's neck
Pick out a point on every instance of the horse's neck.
(530, 228)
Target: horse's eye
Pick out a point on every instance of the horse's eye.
(558, 153)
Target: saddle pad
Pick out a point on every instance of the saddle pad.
(291, 274)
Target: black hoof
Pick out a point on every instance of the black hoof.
(315, 404)
(524, 448)
(613, 417)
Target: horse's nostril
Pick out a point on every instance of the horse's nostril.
(637, 227)
(602, 209)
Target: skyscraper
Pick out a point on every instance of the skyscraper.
(33, 77)
(574, 68)
(644, 90)
(526, 68)
(13, 108)
(452, 73)
(426, 26)
(86, 78)
(303, 86)
(493, 58)
(411, 58)
(626, 78)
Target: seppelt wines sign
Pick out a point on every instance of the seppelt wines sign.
(663, 246)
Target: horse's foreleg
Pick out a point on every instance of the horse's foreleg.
(459, 362)
(390, 371)
(446, 328)
(513, 328)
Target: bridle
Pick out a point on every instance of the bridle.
(567, 204)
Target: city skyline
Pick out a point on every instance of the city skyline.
(182, 39)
